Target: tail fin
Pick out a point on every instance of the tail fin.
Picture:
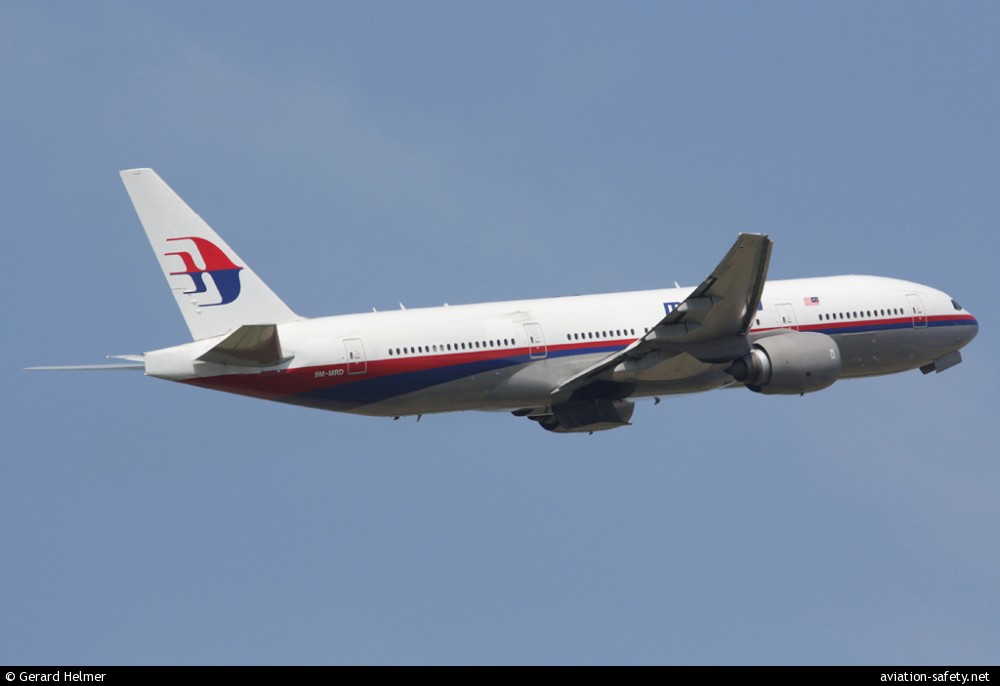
(188, 250)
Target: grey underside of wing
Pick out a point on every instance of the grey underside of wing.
(709, 327)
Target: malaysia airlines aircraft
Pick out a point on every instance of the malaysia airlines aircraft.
(571, 364)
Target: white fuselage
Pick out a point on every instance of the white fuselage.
(512, 355)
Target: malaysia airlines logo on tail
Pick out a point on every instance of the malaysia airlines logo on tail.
(225, 274)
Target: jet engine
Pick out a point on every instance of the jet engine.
(791, 363)
(598, 414)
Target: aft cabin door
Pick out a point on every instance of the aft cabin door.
(536, 341)
(917, 310)
(356, 362)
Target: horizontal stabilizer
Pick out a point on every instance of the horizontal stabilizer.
(130, 358)
(251, 345)
(89, 368)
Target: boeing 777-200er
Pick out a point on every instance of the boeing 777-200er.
(571, 364)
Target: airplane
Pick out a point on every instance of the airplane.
(571, 364)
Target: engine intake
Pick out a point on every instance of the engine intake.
(791, 363)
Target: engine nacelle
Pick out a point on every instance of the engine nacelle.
(587, 415)
(790, 363)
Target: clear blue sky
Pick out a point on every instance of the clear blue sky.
(363, 154)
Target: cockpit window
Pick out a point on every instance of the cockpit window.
(956, 305)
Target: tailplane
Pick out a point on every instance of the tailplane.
(216, 291)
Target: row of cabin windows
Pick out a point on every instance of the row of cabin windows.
(898, 311)
(451, 347)
(590, 335)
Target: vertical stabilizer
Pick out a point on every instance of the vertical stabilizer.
(216, 291)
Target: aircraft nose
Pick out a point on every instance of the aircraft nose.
(971, 329)
(967, 326)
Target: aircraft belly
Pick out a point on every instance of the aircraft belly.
(515, 386)
(532, 384)
(522, 385)
(886, 352)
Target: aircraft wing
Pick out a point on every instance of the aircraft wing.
(712, 323)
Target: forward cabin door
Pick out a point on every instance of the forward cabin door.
(917, 310)
(537, 349)
(356, 361)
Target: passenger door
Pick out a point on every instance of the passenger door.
(537, 349)
(786, 317)
(356, 361)
(917, 310)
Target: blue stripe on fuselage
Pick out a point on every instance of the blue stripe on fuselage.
(366, 391)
